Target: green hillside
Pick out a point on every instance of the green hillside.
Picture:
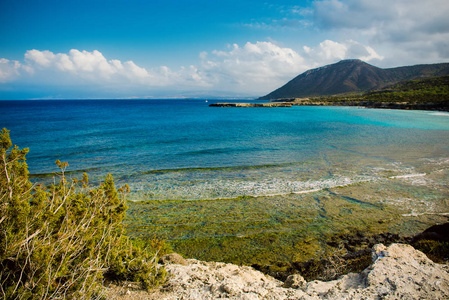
(426, 91)
(352, 76)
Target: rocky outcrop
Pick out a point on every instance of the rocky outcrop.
(173, 258)
(398, 272)
(436, 233)
(273, 104)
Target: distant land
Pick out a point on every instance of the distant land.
(416, 94)
(351, 77)
(430, 93)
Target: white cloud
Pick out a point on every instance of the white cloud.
(92, 68)
(417, 15)
(248, 68)
(91, 62)
(134, 71)
(264, 66)
(255, 68)
(404, 31)
(41, 58)
(329, 51)
(10, 70)
(65, 63)
(82, 63)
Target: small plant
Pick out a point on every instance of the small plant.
(60, 241)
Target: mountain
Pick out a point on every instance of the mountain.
(349, 76)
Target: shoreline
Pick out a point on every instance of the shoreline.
(350, 103)
(269, 104)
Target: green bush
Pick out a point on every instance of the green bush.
(61, 241)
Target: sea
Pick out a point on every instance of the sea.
(246, 184)
(182, 149)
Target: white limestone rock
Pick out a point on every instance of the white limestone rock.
(398, 272)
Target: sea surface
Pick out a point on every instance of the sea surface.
(184, 149)
(247, 185)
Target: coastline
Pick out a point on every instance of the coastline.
(270, 104)
(289, 102)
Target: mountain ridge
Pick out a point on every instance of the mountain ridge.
(351, 76)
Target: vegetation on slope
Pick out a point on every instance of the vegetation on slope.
(423, 94)
(426, 90)
(62, 241)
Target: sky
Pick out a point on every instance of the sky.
(53, 49)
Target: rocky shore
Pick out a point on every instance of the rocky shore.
(370, 104)
(272, 104)
(397, 272)
(289, 102)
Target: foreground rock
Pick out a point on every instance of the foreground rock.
(398, 272)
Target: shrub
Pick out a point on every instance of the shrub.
(60, 241)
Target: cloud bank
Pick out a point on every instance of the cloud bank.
(405, 31)
(253, 68)
(11, 69)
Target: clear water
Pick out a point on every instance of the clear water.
(184, 149)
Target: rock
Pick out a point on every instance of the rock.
(173, 258)
(398, 272)
(436, 233)
(210, 280)
(379, 251)
(295, 281)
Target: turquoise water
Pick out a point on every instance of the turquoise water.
(184, 149)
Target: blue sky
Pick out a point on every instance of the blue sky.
(136, 48)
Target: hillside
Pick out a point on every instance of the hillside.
(422, 94)
(351, 76)
(426, 90)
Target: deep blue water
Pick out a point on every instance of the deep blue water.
(186, 149)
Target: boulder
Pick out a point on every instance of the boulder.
(173, 258)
